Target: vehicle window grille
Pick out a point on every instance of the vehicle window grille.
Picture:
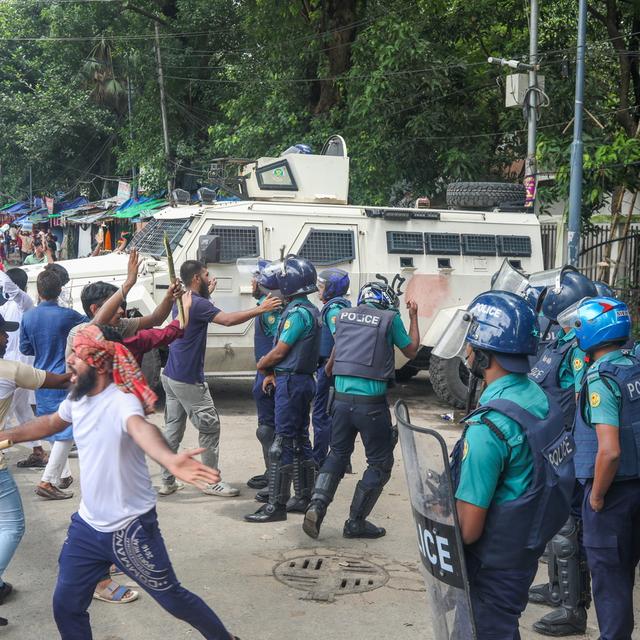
(447, 244)
(405, 242)
(478, 245)
(237, 242)
(328, 246)
(150, 240)
(514, 246)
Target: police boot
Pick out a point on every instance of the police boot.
(364, 499)
(265, 435)
(262, 495)
(258, 482)
(304, 477)
(563, 621)
(279, 490)
(545, 594)
(325, 489)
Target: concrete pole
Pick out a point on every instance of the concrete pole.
(575, 185)
(530, 178)
(163, 110)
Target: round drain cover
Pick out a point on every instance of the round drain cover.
(326, 576)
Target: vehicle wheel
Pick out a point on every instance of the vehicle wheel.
(404, 374)
(449, 379)
(485, 195)
(151, 366)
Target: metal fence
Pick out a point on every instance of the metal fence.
(593, 249)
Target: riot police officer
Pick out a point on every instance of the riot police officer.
(362, 363)
(512, 469)
(290, 366)
(333, 285)
(559, 371)
(265, 329)
(607, 433)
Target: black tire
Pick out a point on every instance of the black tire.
(404, 374)
(484, 195)
(449, 379)
(151, 366)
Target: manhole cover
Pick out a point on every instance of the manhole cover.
(327, 576)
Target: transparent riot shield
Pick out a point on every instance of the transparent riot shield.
(438, 534)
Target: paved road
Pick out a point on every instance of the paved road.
(231, 563)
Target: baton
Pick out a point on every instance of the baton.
(5, 444)
(172, 276)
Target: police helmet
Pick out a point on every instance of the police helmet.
(603, 289)
(380, 294)
(335, 281)
(265, 278)
(600, 321)
(296, 276)
(506, 325)
(572, 287)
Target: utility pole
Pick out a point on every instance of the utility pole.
(163, 110)
(134, 180)
(577, 147)
(30, 188)
(530, 171)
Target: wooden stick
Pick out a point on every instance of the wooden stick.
(172, 276)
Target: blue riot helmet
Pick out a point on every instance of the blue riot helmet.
(266, 278)
(380, 294)
(570, 287)
(335, 281)
(296, 276)
(598, 322)
(603, 289)
(500, 323)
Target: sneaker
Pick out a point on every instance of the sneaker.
(65, 483)
(168, 488)
(221, 489)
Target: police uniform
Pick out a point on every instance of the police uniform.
(265, 330)
(610, 395)
(321, 419)
(499, 464)
(560, 371)
(290, 456)
(365, 337)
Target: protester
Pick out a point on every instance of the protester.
(187, 393)
(117, 521)
(14, 285)
(26, 244)
(39, 255)
(14, 375)
(43, 333)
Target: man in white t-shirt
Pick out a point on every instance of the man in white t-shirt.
(117, 521)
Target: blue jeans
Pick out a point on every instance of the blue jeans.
(11, 519)
(139, 551)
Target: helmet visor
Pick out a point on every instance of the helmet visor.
(568, 319)
(451, 342)
(508, 279)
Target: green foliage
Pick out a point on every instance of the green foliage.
(406, 84)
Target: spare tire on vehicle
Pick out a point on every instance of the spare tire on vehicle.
(485, 195)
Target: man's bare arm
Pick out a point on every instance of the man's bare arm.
(274, 357)
(232, 318)
(56, 380)
(182, 465)
(36, 429)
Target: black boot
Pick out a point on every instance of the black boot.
(563, 621)
(304, 477)
(545, 594)
(263, 495)
(364, 499)
(258, 482)
(324, 490)
(279, 490)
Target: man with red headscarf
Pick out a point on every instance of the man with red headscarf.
(116, 522)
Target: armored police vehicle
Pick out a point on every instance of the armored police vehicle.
(298, 203)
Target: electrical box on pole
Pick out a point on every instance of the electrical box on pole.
(516, 87)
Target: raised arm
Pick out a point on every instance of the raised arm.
(230, 319)
(411, 350)
(36, 429)
(182, 465)
(13, 292)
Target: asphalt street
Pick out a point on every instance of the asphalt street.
(239, 568)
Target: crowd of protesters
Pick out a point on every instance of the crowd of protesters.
(21, 246)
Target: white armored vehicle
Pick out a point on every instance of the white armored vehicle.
(298, 203)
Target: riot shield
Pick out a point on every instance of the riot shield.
(440, 547)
